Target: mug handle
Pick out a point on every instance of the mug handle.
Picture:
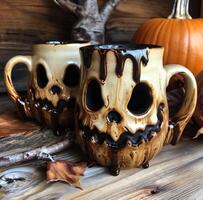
(15, 97)
(182, 117)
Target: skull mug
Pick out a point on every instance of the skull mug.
(123, 116)
(54, 71)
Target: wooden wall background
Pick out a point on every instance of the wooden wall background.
(24, 22)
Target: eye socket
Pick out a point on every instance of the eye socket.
(72, 76)
(94, 99)
(42, 78)
(141, 99)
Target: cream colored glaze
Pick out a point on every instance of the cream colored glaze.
(116, 92)
(55, 58)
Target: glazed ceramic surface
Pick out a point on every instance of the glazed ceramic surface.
(123, 117)
(54, 69)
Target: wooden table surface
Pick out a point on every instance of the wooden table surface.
(176, 173)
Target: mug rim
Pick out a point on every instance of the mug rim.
(119, 47)
(61, 42)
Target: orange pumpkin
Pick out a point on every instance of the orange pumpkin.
(180, 35)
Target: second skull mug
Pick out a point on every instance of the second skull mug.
(54, 71)
(123, 115)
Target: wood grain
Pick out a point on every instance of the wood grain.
(176, 173)
(25, 22)
(18, 135)
(9, 123)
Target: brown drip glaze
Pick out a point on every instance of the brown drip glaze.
(137, 57)
(55, 122)
(145, 165)
(38, 107)
(138, 54)
(114, 167)
(87, 57)
(103, 65)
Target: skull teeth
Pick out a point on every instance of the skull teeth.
(126, 138)
(46, 105)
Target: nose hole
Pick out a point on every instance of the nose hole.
(55, 89)
(114, 116)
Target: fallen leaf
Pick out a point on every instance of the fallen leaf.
(199, 132)
(66, 171)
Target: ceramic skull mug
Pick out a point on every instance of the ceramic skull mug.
(123, 116)
(54, 78)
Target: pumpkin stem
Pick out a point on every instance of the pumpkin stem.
(180, 10)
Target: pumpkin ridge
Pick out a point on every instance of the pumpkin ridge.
(169, 40)
(188, 46)
(146, 34)
(181, 36)
(162, 36)
(157, 28)
(150, 34)
(194, 49)
(143, 35)
(182, 46)
(198, 58)
(176, 41)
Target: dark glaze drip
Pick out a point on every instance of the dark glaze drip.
(89, 155)
(114, 167)
(145, 165)
(137, 57)
(45, 105)
(137, 53)
(103, 65)
(55, 122)
(134, 138)
(86, 57)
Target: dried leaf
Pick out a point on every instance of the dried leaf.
(199, 132)
(66, 171)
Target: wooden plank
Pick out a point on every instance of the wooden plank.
(25, 22)
(42, 20)
(10, 122)
(17, 136)
(176, 173)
